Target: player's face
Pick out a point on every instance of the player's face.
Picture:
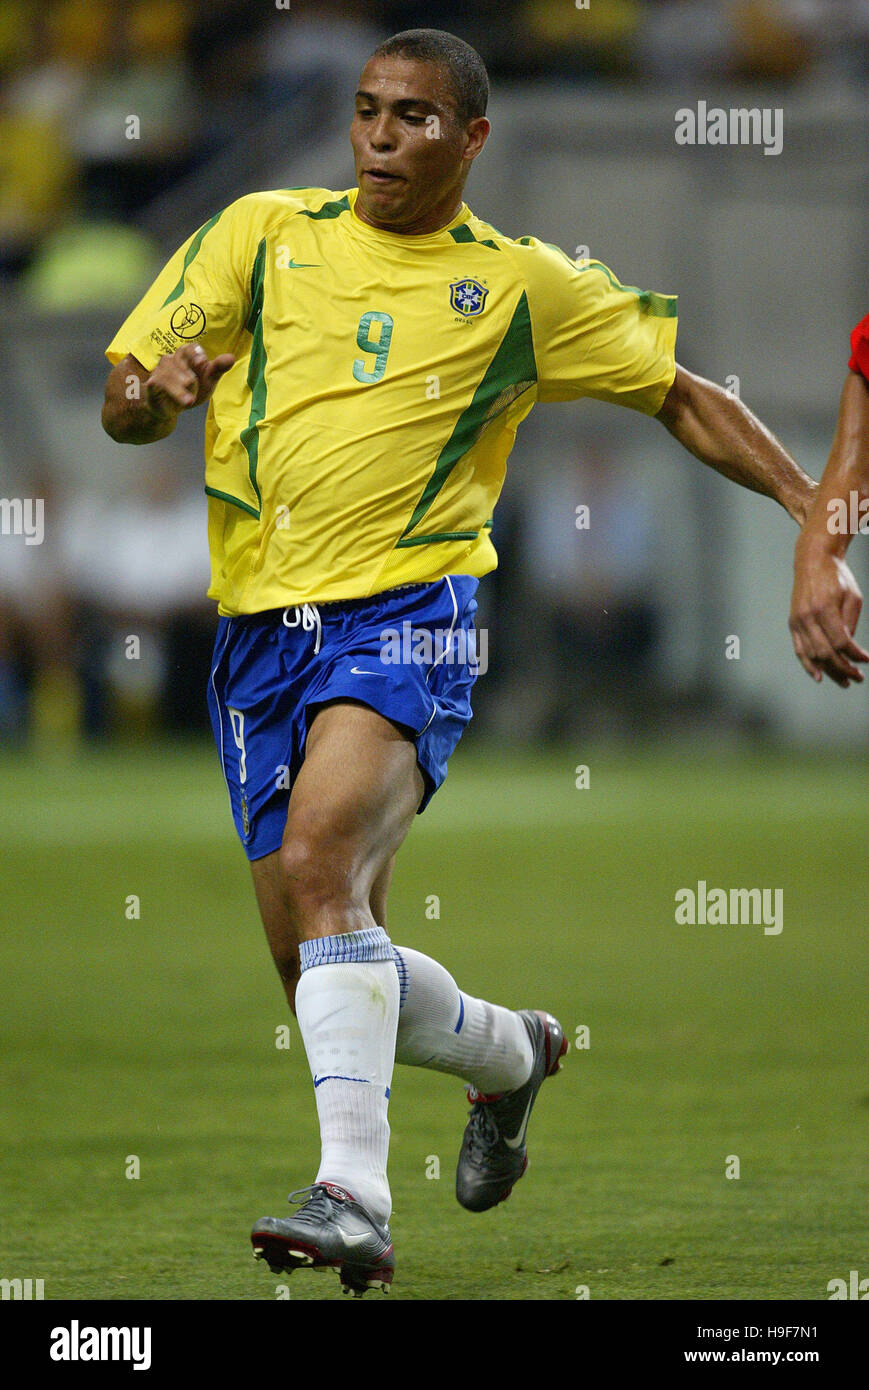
(412, 154)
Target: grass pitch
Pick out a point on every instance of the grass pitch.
(154, 1038)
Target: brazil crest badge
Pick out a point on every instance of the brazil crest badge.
(468, 297)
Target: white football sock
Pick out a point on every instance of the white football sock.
(347, 1011)
(442, 1028)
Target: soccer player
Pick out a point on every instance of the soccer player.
(826, 599)
(367, 356)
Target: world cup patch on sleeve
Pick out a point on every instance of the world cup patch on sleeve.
(187, 321)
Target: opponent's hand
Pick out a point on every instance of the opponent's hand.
(825, 607)
(184, 379)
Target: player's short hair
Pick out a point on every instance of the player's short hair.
(466, 68)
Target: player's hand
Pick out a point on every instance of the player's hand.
(184, 380)
(825, 607)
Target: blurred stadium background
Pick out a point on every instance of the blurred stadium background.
(767, 253)
(614, 637)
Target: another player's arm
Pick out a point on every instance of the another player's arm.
(179, 381)
(723, 433)
(826, 600)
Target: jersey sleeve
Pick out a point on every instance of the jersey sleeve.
(596, 337)
(860, 348)
(202, 295)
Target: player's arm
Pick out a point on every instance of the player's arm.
(826, 599)
(142, 406)
(723, 433)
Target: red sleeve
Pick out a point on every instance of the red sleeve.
(860, 348)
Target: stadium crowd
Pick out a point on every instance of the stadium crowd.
(72, 73)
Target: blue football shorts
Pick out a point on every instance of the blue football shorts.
(408, 653)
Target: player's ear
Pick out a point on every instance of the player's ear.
(476, 135)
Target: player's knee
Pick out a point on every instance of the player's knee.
(315, 875)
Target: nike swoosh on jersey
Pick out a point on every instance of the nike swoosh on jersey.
(354, 671)
(304, 265)
(519, 1139)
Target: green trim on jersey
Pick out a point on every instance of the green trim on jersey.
(256, 375)
(192, 252)
(663, 306)
(511, 371)
(257, 281)
(327, 210)
(464, 233)
(438, 536)
(236, 501)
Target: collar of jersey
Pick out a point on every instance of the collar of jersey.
(380, 237)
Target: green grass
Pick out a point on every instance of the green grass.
(156, 1037)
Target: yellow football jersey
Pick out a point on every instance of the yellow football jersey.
(360, 440)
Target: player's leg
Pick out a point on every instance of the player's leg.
(280, 928)
(504, 1055)
(497, 1050)
(351, 806)
(439, 1026)
(443, 1028)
